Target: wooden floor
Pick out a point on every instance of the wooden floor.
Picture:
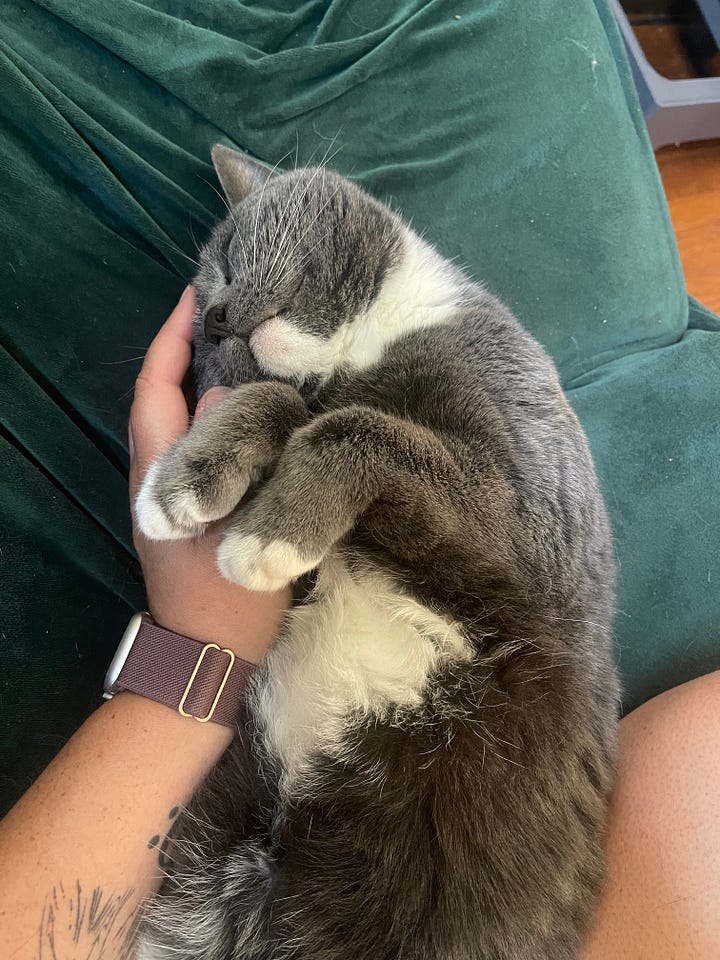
(691, 176)
(690, 172)
(664, 50)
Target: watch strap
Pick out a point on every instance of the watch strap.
(199, 680)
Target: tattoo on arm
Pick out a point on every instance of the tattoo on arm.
(76, 925)
(164, 855)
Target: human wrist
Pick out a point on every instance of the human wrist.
(194, 679)
(156, 719)
(248, 629)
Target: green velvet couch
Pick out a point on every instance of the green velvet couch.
(508, 131)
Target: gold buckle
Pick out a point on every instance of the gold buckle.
(211, 711)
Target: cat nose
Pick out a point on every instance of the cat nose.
(215, 326)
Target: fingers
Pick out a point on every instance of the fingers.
(159, 413)
(214, 395)
(169, 355)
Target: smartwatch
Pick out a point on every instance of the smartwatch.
(202, 681)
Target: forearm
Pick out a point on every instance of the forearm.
(84, 847)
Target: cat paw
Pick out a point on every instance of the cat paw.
(186, 490)
(174, 504)
(164, 514)
(255, 565)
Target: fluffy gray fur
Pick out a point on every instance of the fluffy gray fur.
(443, 477)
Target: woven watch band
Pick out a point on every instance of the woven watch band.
(199, 680)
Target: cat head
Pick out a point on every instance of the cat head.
(300, 257)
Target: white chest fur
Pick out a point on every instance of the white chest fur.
(361, 648)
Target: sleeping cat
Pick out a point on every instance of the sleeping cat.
(424, 765)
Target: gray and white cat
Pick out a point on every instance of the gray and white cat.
(424, 767)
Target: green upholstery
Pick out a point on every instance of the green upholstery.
(509, 132)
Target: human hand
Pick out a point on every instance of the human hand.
(186, 592)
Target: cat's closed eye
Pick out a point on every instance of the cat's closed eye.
(273, 310)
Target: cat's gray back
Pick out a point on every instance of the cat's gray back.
(424, 769)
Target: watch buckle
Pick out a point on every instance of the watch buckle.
(188, 688)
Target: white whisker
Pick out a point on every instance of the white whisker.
(294, 214)
(274, 170)
(232, 217)
(309, 225)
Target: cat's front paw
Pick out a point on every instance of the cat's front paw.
(256, 564)
(164, 511)
(183, 492)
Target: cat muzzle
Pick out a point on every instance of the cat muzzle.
(215, 326)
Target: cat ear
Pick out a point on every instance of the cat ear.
(238, 173)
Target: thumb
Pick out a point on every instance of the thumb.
(214, 395)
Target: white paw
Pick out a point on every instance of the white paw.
(153, 521)
(244, 560)
(186, 507)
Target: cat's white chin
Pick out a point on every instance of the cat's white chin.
(283, 350)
